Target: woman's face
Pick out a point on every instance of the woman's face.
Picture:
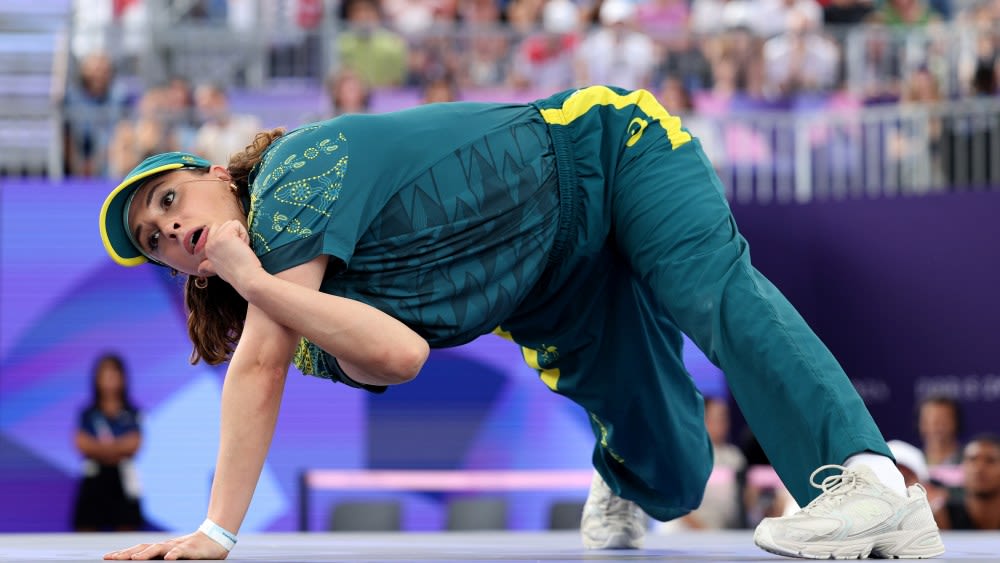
(109, 379)
(172, 214)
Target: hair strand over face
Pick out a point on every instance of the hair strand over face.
(216, 313)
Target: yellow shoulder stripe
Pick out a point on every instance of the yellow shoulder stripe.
(584, 99)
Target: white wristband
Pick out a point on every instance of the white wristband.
(218, 534)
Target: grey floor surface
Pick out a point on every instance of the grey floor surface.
(455, 546)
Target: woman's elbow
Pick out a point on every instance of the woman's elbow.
(406, 361)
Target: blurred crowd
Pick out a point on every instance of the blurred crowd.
(703, 58)
(961, 477)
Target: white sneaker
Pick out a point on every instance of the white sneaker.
(855, 517)
(609, 521)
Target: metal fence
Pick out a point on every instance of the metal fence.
(762, 156)
(898, 150)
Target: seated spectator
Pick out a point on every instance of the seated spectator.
(523, 15)
(484, 48)
(939, 423)
(545, 60)
(181, 111)
(914, 145)
(93, 104)
(347, 92)
(775, 17)
(969, 139)
(800, 60)
(978, 508)
(369, 48)
(905, 13)
(942, 8)
(222, 132)
(881, 72)
(711, 17)
(662, 20)
(846, 12)
(684, 59)
(414, 17)
(442, 89)
(615, 53)
(149, 132)
(676, 98)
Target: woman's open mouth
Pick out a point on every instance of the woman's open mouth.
(196, 240)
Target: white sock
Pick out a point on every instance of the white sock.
(883, 467)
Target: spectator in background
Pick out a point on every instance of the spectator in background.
(683, 58)
(108, 437)
(93, 104)
(663, 20)
(979, 507)
(904, 13)
(483, 47)
(915, 144)
(911, 463)
(222, 132)
(800, 60)
(674, 95)
(939, 423)
(846, 12)
(882, 67)
(524, 15)
(369, 48)
(347, 92)
(545, 60)
(414, 17)
(615, 53)
(969, 139)
(441, 89)
(943, 8)
(181, 111)
(720, 508)
(711, 17)
(776, 17)
(150, 132)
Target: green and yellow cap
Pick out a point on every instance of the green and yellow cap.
(115, 234)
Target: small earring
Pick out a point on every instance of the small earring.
(201, 283)
(235, 189)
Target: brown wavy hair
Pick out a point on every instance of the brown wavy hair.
(216, 313)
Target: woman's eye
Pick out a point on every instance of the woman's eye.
(168, 198)
(154, 241)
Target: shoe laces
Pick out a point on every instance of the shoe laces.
(834, 487)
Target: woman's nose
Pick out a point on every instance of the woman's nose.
(172, 229)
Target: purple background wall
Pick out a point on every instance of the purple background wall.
(903, 291)
(62, 302)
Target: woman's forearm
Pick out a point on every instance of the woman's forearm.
(127, 445)
(251, 397)
(384, 350)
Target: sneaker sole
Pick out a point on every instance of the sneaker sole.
(899, 545)
(614, 541)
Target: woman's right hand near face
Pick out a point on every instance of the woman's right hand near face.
(228, 254)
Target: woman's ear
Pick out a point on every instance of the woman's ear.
(220, 172)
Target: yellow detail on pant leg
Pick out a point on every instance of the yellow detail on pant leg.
(585, 99)
(550, 376)
(503, 334)
(604, 439)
